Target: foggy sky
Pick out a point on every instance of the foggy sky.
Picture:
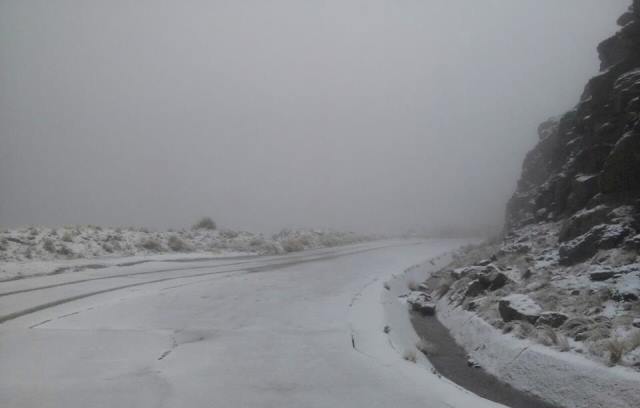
(364, 114)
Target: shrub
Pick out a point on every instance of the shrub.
(48, 245)
(616, 349)
(229, 234)
(547, 336)
(293, 245)
(67, 237)
(205, 223)
(256, 242)
(523, 330)
(64, 251)
(176, 244)
(151, 245)
(563, 343)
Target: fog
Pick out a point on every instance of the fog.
(368, 115)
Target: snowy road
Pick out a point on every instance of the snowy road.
(256, 332)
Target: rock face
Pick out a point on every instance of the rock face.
(587, 162)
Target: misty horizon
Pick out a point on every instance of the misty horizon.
(371, 116)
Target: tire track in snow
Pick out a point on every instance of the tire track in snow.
(256, 269)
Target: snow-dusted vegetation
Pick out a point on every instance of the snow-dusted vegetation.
(37, 244)
(519, 286)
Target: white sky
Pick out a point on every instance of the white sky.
(365, 114)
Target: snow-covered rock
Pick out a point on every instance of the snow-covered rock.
(519, 307)
(422, 303)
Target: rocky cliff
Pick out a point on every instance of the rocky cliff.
(585, 170)
(566, 273)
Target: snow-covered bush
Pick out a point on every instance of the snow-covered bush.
(205, 223)
(293, 245)
(176, 244)
(151, 244)
(42, 243)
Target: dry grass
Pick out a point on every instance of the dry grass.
(563, 343)
(546, 336)
(616, 349)
(410, 355)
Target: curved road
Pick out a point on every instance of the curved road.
(248, 332)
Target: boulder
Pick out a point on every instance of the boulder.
(583, 221)
(636, 322)
(600, 276)
(587, 245)
(421, 302)
(519, 307)
(475, 288)
(553, 319)
(498, 280)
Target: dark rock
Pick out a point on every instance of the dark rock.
(475, 288)
(553, 319)
(498, 280)
(583, 188)
(587, 245)
(582, 222)
(623, 296)
(600, 276)
(471, 306)
(636, 323)
(620, 172)
(519, 307)
(421, 302)
(426, 309)
(472, 363)
(630, 297)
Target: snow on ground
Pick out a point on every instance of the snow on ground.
(42, 250)
(568, 380)
(292, 330)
